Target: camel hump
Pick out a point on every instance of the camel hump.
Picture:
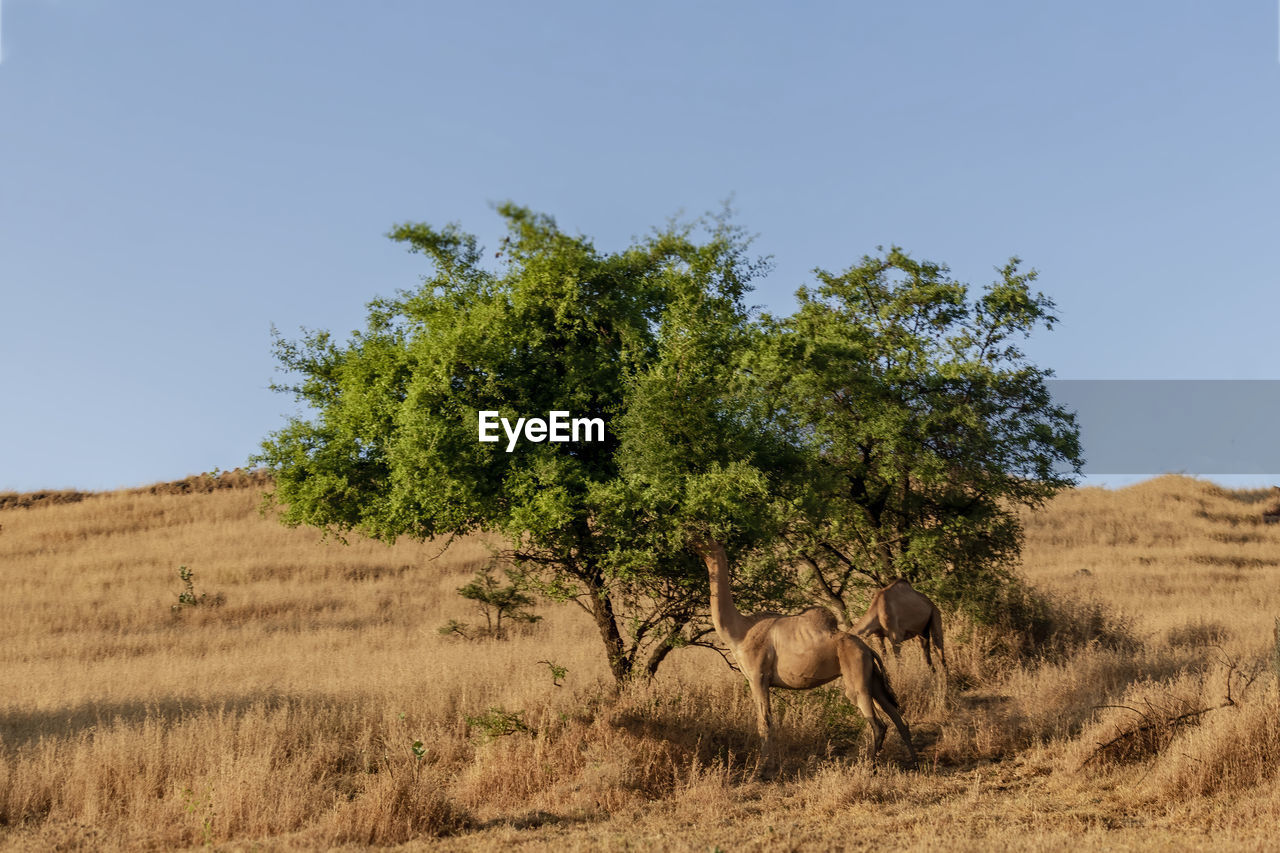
(820, 618)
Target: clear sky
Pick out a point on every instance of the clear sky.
(177, 177)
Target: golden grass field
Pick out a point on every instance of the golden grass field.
(286, 716)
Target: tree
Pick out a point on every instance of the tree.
(890, 427)
(923, 424)
(391, 447)
(496, 602)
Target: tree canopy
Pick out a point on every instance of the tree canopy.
(890, 426)
(392, 447)
(923, 424)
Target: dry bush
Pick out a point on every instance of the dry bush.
(1233, 750)
(26, 500)
(394, 808)
(1035, 703)
(1036, 628)
(1146, 727)
(238, 478)
(1050, 626)
(1152, 714)
(1198, 632)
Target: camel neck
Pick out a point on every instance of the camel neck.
(725, 618)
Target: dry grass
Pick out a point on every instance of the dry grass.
(318, 707)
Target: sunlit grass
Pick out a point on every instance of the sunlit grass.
(318, 705)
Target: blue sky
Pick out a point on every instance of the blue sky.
(175, 178)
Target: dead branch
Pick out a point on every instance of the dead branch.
(1160, 730)
(1156, 726)
(715, 648)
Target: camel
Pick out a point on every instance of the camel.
(798, 653)
(1271, 515)
(900, 613)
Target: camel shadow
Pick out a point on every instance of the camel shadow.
(726, 744)
(539, 818)
(736, 749)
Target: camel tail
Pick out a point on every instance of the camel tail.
(878, 672)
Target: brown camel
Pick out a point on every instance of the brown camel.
(900, 613)
(797, 653)
(1271, 515)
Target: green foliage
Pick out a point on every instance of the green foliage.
(497, 602)
(922, 425)
(188, 597)
(454, 628)
(558, 672)
(839, 718)
(390, 447)
(498, 722)
(890, 427)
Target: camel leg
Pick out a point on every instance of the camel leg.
(928, 658)
(896, 638)
(890, 708)
(935, 632)
(862, 699)
(856, 667)
(874, 684)
(764, 720)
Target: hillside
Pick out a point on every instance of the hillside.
(308, 700)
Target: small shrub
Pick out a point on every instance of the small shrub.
(454, 628)
(200, 806)
(558, 672)
(497, 602)
(188, 597)
(498, 722)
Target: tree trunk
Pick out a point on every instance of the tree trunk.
(660, 652)
(620, 663)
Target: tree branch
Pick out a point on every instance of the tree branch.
(834, 602)
(879, 581)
